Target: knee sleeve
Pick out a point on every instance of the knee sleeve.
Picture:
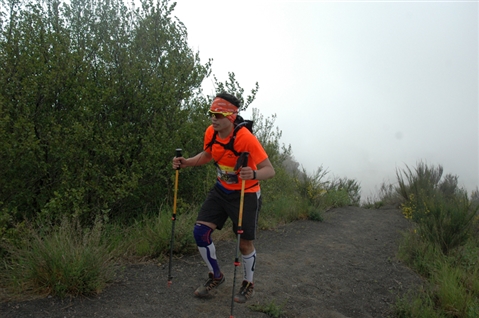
(202, 234)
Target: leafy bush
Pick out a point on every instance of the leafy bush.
(90, 95)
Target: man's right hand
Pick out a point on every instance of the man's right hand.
(179, 162)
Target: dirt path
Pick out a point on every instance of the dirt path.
(344, 266)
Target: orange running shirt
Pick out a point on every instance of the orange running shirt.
(226, 159)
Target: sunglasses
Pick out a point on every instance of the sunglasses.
(218, 115)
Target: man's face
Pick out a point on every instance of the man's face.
(220, 122)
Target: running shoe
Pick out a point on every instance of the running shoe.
(211, 284)
(245, 293)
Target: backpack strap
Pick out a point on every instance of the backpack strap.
(230, 144)
(212, 141)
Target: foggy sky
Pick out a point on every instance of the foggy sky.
(360, 88)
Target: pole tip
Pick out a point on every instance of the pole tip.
(169, 283)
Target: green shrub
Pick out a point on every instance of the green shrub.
(151, 236)
(388, 195)
(473, 311)
(66, 260)
(452, 289)
(417, 253)
(288, 196)
(414, 305)
(475, 197)
(443, 246)
(271, 309)
(87, 112)
(326, 194)
(451, 293)
(311, 187)
(315, 214)
(372, 203)
(335, 198)
(350, 186)
(420, 182)
(284, 209)
(446, 222)
(444, 214)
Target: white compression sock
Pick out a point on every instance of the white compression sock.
(249, 262)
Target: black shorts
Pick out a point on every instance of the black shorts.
(219, 205)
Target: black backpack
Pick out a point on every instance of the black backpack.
(238, 123)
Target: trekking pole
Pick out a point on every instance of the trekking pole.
(239, 231)
(173, 219)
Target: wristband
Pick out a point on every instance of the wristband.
(254, 174)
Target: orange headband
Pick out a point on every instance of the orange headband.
(221, 106)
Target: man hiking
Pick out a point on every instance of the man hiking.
(223, 200)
